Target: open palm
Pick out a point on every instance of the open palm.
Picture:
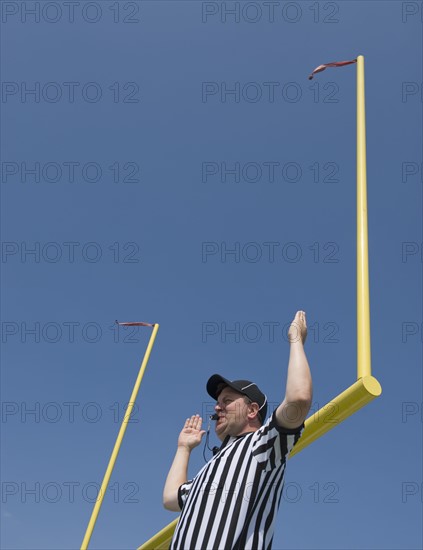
(191, 433)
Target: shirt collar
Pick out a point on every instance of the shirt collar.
(229, 439)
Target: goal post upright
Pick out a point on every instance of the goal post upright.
(366, 387)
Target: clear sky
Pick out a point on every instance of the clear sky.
(170, 162)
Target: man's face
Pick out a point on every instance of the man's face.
(233, 413)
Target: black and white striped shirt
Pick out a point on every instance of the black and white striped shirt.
(232, 502)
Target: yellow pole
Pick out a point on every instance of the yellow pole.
(363, 308)
(118, 442)
(339, 409)
(162, 539)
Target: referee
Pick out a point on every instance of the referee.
(233, 500)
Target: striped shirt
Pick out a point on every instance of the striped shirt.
(232, 502)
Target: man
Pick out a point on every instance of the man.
(233, 501)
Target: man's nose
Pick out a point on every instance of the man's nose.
(217, 407)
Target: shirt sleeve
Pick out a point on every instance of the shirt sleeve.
(273, 443)
(183, 492)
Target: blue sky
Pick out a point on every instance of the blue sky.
(146, 173)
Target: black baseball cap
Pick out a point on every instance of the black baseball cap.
(246, 387)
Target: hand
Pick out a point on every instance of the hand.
(298, 330)
(191, 434)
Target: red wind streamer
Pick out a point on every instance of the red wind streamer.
(135, 324)
(321, 68)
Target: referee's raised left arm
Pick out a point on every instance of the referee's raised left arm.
(189, 438)
(293, 410)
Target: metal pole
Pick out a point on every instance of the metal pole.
(363, 307)
(118, 442)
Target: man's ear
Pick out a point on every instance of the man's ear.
(253, 410)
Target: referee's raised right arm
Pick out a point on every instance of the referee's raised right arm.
(189, 438)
